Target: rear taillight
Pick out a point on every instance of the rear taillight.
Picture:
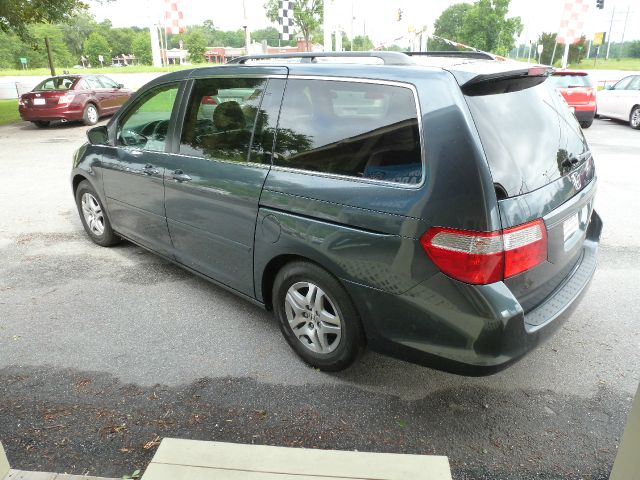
(486, 257)
(65, 99)
(589, 91)
(208, 100)
(21, 101)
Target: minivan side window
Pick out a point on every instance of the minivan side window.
(356, 129)
(145, 126)
(221, 116)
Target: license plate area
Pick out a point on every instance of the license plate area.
(39, 101)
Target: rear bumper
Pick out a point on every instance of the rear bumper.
(585, 115)
(64, 112)
(469, 329)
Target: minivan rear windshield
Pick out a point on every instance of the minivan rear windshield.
(566, 81)
(530, 137)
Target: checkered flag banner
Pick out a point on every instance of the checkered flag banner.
(572, 21)
(172, 17)
(285, 18)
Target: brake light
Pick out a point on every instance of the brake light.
(486, 257)
(21, 101)
(65, 99)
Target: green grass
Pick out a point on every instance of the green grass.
(105, 70)
(9, 112)
(611, 64)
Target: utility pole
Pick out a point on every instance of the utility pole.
(247, 34)
(565, 55)
(49, 56)
(613, 13)
(328, 27)
(553, 55)
(624, 30)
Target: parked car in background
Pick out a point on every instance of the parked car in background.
(621, 101)
(437, 209)
(579, 92)
(83, 98)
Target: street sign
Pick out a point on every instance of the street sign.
(100, 58)
(23, 60)
(540, 47)
(598, 38)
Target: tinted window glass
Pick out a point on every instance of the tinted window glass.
(56, 83)
(530, 137)
(566, 81)
(634, 84)
(623, 84)
(93, 83)
(356, 129)
(107, 82)
(145, 126)
(221, 117)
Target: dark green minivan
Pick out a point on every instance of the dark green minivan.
(436, 208)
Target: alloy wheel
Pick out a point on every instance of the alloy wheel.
(635, 118)
(313, 317)
(92, 114)
(93, 215)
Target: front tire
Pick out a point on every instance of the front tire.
(90, 115)
(317, 317)
(634, 118)
(93, 216)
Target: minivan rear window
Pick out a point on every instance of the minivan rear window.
(356, 129)
(530, 137)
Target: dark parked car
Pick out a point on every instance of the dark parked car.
(83, 98)
(579, 92)
(437, 209)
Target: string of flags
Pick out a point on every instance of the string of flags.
(285, 18)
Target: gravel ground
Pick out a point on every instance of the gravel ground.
(105, 351)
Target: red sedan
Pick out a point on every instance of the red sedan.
(83, 98)
(579, 92)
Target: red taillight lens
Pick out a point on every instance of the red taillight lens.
(208, 100)
(486, 257)
(21, 101)
(525, 246)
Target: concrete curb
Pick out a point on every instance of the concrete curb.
(197, 460)
(4, 463)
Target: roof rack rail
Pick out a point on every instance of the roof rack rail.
(454, 54)
(388, 58)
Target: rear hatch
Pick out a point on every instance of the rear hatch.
(542, 169)
(575, 87)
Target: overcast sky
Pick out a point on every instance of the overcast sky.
(376, 17)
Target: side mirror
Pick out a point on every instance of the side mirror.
(98, 135)
(608, 87)
(120, 86)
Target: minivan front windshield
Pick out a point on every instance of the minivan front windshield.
(530, 137)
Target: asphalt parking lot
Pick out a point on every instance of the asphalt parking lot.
(105, 351)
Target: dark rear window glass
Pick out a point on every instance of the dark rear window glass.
(56, 83)
(566, 81)
(356, 129)
(530, 137)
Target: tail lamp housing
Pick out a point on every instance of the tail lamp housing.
(486, 257)
(66, 99)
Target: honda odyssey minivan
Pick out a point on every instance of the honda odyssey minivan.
(438, 209)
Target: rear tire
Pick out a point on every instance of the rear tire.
(586, 124)
(90, 115)
(317, 317)
(41, 123)
(634, 118)
(93, 216)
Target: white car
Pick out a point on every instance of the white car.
(621, 101)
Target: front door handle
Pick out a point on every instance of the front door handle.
(180, 176)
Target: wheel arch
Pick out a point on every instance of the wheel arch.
(77, 178)
(272, 268)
